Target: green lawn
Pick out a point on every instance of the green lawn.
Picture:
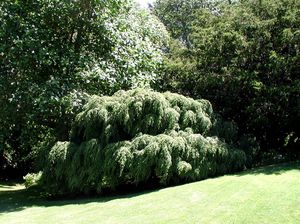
(266, 195)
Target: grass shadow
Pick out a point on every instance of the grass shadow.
(20, 199)
(12, 199)
(275, 169)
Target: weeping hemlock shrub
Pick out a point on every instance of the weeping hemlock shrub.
(137, 136)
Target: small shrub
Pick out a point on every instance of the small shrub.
(32, 179)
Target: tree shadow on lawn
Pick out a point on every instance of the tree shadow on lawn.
(275, 169)
(20, 199)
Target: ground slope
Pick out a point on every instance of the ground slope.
(266, 195)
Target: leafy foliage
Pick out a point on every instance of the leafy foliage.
(135, 137)
(178, 15)
(53, 54)
(32, 179)
(244, 58)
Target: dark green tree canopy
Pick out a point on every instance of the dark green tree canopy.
(245, 60)
(54, 53)
(178, 15)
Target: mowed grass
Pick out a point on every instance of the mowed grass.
(265, 195)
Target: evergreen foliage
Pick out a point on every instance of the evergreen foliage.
(243, 56)
(135, 137)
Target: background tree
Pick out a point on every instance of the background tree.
(54, 53)
(178, 15)
(244, 58)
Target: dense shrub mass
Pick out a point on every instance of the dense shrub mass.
(139, 136)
